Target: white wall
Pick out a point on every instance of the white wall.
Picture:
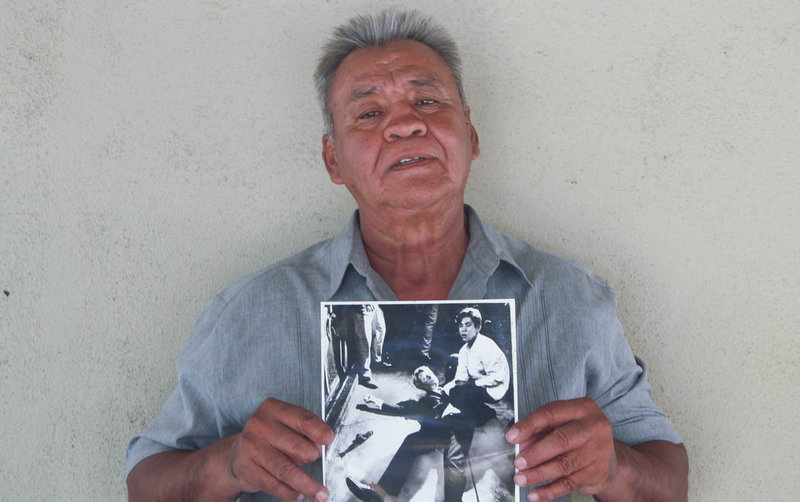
(153, 152)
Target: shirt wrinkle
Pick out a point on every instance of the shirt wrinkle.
(344, 251)
(495, 246)
(485, 251)
(237, 347)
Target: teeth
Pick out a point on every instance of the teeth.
(406, 161)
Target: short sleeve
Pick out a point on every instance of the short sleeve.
(588, 355)
(618, 382)
(189, 419)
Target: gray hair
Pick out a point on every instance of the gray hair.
(377, 31)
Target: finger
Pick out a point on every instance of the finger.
(558, 467)
(264, 430)
(551, 415)
(258, 479)
(253, 477)
(300, 420)
(291, 443)
(558, 488)
(532, 440)
(558, 442)
(287, 472)
(591, 433)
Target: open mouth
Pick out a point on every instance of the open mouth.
(409, 161)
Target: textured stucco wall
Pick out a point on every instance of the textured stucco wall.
(153, 152)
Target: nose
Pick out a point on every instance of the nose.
(405, 122)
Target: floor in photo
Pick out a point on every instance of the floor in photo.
(490, 458)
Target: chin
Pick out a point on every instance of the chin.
(425, 195)
(420, 201)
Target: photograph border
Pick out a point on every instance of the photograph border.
(326, 348)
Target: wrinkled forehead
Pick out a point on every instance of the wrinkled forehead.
(402, 63)
(375, 81)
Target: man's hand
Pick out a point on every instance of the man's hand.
(566, 444)
(373, 402)
(265, 456)
(569, 446)
(276, 440)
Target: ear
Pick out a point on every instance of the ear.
(329, 157)
(473, 135)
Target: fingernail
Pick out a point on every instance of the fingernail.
(512, 434)
(321, 496)
(520, 479)
(533, 497)
(520, 463)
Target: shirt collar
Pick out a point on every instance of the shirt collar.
(346, 248)
(486, 250)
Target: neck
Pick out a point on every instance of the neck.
(417, 253)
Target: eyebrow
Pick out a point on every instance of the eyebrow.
(362, 93)
(421, 83)
(426, 82)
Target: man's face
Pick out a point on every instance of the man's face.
(427, 378)
(467, 329)
(401, 137)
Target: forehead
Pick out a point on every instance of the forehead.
(402, 62)
(466, 320)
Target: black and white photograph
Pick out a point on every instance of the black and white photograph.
(419, 396)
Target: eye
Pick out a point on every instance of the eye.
(370, 114)
(426, 102)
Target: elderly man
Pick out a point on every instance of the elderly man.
(400, 138)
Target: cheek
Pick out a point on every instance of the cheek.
(457, 138)
(352, 155)
(351, 149)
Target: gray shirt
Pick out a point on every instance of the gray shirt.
(260, 338)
